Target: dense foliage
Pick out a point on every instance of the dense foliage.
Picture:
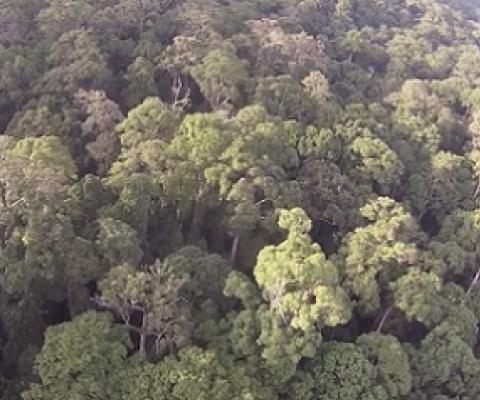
(239, 199)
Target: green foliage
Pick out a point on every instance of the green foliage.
(376, 254)
(118, 242)
(448, 184)
(418, 295)
(301, 285)
(198, 374)
(194, 152)
(342, 371)
(141, 82)
(376, 162)
(76, 62)
(59, 18)
(220, 77)
(148, 121)
(158, 296)
(329, 195)
(239, 286)
(284, 97)
(144, 134)
(136, 202)
(444, 365)
(283, 347)
(102, 116)
(329, 150)
(206, 274)
(390, 360)
(80, 360)
(41, 154)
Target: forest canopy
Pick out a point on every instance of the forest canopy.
(239, 199)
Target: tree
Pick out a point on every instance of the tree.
(417, 101)
(220, 76)
(155, 297)
(418, 294)
(11, 23)
(453, 251)
(58, 18)
(118, 242)
(284, 97)
(279, 52)
(446, 185)
(84, 199)
(34, 175)
(390, 360)
(141, 84)
(42, 119)
(195, 373)
(422, 297)
(375, 161)
(81, 359)
(331, 197)
(283, 347)
(444, 365)
(195, 150)
(23, 328)
(150, 120)
(99, 127)
(318, 87)
(342, 371)
(376, 254)
(258, 334)
(276, 199)
(300, 284)
(137, 201)
(144, 135)
(19, 71)
(206, 275)
(76, 62)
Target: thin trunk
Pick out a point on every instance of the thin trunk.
(233, 254)
(474, 281)
(477, 191)
(143, 337)
(385, 316)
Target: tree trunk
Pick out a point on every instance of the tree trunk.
(194, 231)
(474, 281)
(385, 316)
(143, 337)
(233, 253)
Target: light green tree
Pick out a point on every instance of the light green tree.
(378, 253)
(300, 284)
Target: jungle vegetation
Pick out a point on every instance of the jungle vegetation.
(239, 199)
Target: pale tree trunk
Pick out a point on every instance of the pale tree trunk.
(233, 254)
(475, 280)
(143, 337)
(385, 316)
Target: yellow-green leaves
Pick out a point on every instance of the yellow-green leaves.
(379, 252)
(298, 281)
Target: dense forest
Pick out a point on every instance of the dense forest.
(239, 199)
